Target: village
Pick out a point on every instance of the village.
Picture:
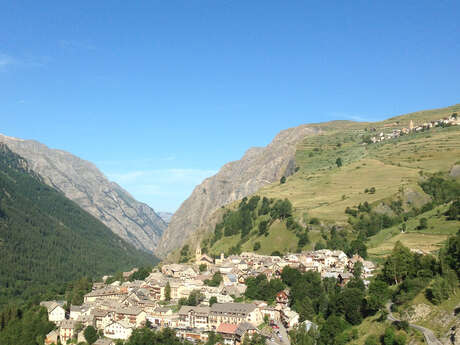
(116, 309)
(426, 126)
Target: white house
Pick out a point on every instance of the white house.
(290, 317)
(77, 311)
(56, 312)
(118, 330)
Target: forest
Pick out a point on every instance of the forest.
(47, 240)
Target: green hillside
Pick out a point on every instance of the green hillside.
(379, 174)
(46, 240)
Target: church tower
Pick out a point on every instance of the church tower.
(198, 254)
(411, 126)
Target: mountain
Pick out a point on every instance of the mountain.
(317, 187)
(47, 240)
(83, 183)
(166, 216)
(258, 167)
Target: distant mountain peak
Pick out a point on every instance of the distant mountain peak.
(166, 216)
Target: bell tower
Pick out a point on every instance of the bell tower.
(411, 125)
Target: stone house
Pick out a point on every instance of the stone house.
(228, 333)
(109, 293)
(101, 318)
(282, 298)
(133, 316)
(118, 330)
(77, 311)
(56, 311)
(244, 329)
(160, 317)
(234, 313)
(67, 330)
(194, 317)
(52, 337)
(271, 313)
(192, 335)
(290, 317)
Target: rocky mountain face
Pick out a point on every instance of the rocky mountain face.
(83, 183)
(235, 180)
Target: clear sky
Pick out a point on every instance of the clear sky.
(160, 94)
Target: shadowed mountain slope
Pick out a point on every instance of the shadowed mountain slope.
(47, 240)
(83, 183)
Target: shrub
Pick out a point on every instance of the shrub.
(314, 221)
(372, 340)
(423, 224)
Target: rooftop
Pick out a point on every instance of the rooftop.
(227, 328)
(236, 308)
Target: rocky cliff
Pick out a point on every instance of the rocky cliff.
(235, 180)
(83, 183)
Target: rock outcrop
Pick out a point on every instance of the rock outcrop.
(83, 183)
(235, 180)
(455, 171)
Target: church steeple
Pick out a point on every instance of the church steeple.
(198, 254)
(411, 125)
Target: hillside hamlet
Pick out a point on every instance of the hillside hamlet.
(116, 309)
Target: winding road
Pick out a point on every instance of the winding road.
(430, 338)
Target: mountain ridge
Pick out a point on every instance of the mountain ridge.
(259, 166)
(82, 182)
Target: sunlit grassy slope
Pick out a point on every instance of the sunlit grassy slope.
(428, 240)
(321, 189)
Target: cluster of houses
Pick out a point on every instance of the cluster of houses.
(117, 309)
(449, 121)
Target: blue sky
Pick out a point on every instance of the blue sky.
(160, 94)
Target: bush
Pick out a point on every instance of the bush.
(372, 340)
(442, 190)
(314, 221)
(215, 281)
(339, 162)
(256, 246)
(320, 245)
(423, 224)
(90, 334)
(212, 300)
(453, 213)
(263, 228)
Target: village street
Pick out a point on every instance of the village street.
(284, 339)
